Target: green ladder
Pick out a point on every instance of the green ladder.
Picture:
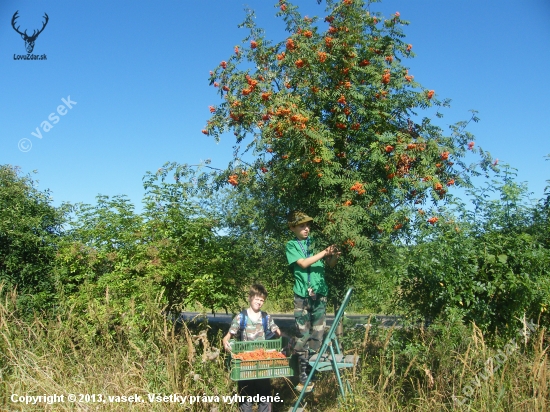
(330, 357)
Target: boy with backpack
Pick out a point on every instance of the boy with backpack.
(253, 324)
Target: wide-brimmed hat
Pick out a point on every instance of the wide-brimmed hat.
(297, 218)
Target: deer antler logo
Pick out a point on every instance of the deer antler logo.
(29, 40)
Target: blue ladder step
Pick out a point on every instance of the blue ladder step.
(325, 364)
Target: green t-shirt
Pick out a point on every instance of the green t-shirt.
(294, 252)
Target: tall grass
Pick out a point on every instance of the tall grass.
(66, 355)
(450, 367)
(406, 369)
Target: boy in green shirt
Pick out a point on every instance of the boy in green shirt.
(310, 288)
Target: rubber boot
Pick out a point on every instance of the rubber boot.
(314, 376)
(304, 369)
(308, 372)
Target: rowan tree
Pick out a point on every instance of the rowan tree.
(330, 121)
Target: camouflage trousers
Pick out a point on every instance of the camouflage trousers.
(310, 318)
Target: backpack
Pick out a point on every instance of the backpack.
(244, 317)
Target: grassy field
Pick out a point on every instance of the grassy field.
(447, 367)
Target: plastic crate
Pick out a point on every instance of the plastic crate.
(242, 370)
(260, 368)
(247, 346)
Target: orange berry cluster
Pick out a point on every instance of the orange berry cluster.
(358, 187)
(386, 77)
(252, 83)
(234, 180)
(438, 187)
(259, 354)
(290, 45)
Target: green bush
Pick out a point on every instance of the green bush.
(30, 229)
(489, 264)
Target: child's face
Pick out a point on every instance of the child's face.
(302, 230)
(256, 303)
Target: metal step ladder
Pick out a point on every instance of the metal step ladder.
(329, 358)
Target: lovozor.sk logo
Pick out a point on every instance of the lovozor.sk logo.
(29, 40)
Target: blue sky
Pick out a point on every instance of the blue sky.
(138, 72)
